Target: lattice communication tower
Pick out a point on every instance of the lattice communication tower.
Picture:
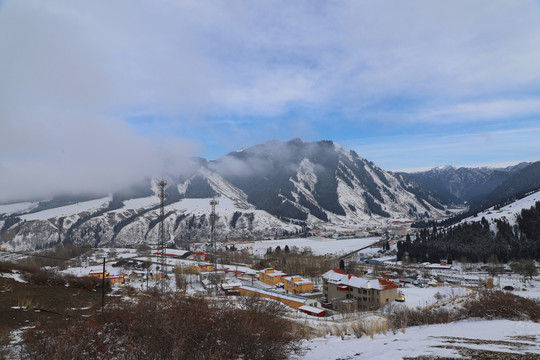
(162, 256)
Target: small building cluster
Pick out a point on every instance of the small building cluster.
(350, 292)
(292, 284)
(271, 276)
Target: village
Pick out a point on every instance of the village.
(365, 281)
(332, 289)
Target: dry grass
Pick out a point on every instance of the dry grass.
(358, 328)
(47, 298)
(169, 328)
(503, 305)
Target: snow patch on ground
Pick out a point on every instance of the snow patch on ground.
(319, 246)
(518, 337)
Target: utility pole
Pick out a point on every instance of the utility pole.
(103, 288)
(162, 250)
(213, 203)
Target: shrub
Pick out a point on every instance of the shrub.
(402, 317)
(53, 278)
(8, 267)
(503, 305)
(358, 329)
(168, 328)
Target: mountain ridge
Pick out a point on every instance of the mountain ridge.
(271, 189)
(275, 188)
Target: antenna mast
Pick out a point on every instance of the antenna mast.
(162, 250)
(213, 203)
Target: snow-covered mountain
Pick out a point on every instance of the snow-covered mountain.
(267, 190)
(456, 185)
(318, 182)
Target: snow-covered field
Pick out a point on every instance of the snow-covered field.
(319, 246)
(447, 340)
(423, 297)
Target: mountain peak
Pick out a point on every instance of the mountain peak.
(297, 141)
(443, 168)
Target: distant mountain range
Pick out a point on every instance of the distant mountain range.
(478, 187)
(276, 188)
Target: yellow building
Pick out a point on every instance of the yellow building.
(272, 277)
(115, 279)
(197, 268)
(98, 274)
(297, 284)
(122, 279)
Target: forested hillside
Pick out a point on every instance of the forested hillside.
(477, 242)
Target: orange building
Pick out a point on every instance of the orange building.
(271, 276)
(296, 284)
(119, 279)
(98, 274)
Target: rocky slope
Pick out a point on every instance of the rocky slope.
(276, 188)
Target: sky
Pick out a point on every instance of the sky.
(94, 94)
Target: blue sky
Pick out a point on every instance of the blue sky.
(94, 93)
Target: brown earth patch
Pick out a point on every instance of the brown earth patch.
(22, 304)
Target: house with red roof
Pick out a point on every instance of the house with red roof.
(340, 287)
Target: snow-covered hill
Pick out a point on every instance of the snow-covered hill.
(456, 185)
(509, 212)
(271, 189)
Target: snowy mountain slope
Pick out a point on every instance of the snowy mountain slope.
(457, 185)
(323, 180)
(273, 188)
(525, 180)
(68, 210)
(9, 209)
(509, 212)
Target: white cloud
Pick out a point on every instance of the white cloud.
(486, 148)
(73, 71)
(489, 110)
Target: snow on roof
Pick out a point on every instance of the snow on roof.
(274, 272)
(221, 272)
(311, 309)
(298, 280)
(340, 277)
(274, 294)
(175, 252)
(231, 285)
(438, 266)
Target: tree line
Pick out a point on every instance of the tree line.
(478, 241)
